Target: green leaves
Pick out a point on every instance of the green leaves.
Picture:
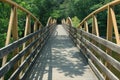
(96, 6)
(75, 21)
(2, 39)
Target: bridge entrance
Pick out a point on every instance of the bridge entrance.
(61, 60)
(55, 52)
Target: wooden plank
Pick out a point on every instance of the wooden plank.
(35, 29)
(27, 71)
(11, 63)
(15, 35)
(109, 36)
(96, 71)
(86, 26)
(114, 22)
(95, 26)
(102, 41)
(9, 32)
(48, 22)
(70, 21)
(35, 26)
(27, 30)
(6, 68)
(9, 48)
(109, 26)
(63, 21)
(27, 26)
(108, 58)
(83, 49)
(40, 27)
(4, 60)
(103, 67)
(28, 59)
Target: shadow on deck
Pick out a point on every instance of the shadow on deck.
(59, 60)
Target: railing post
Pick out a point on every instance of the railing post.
(95, 26)
(27, 31)
(95, 31)
(11, 22)
(114, 22)
(111, 23)
(12, 33)
(109, 26)
(40, 28)
(15, 36)
(109, 36)
(15, 32)
(86, 26)
(35, 28)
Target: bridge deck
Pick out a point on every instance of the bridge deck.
(61, 60)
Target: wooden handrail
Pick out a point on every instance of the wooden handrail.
(84, 41)
(91, 44)
(105, 7)
(111, 21)
(23, 48)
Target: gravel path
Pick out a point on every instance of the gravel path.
(61, 60)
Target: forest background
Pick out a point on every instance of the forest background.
(58, 9)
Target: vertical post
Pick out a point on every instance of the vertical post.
(95, 31)
(42, 38)
(9, 34)
(114, 22)
(15, 34)
(35, 29)
(109, 26)
(95, 26)
(27, 30)
(111, 23)
(70, 27)
(86, 26)
(109, 35)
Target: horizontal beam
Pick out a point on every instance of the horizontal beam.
(97, 72)
(7, 66)
(102, 41)
(103, 67)
(9, 48)
(103, 54)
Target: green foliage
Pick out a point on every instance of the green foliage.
(59, 9)
(96, 6)
(4, 19)
(2, 39)
(75, 21)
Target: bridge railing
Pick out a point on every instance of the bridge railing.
(102, 54)
(23, 51)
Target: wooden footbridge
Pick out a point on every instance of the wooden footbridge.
(61, 52)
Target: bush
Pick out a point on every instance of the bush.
(75, 21)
